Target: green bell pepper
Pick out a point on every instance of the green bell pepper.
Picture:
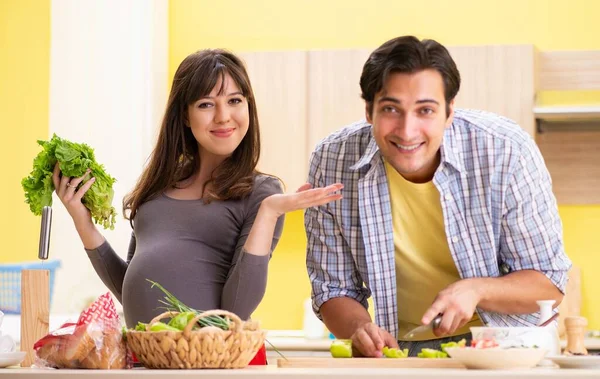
(180, 321)
(161, 326)
(432, 353)
(461, 343)
(341, 349)
(390, 352)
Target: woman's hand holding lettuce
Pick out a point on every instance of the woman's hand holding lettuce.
(75, 161)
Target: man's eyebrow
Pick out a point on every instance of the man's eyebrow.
(396, 101)
(390, 99)
(428, 101)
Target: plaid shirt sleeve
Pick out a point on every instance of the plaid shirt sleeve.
(329, 261)
(531, 237)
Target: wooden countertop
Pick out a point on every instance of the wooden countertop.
(304, 344)
(272, 372)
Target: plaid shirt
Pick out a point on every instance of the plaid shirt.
(497, 200)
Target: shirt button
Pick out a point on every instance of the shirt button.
(455, 239)
(448, 197)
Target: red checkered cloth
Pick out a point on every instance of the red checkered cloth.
(260, 359)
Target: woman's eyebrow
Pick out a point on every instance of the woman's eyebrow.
(230, 94)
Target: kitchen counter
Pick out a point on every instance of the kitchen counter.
(289, 342)
(316, 345)
(274, 372)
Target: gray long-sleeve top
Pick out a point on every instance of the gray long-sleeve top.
(194, 250)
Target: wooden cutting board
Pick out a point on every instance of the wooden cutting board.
(316, 362)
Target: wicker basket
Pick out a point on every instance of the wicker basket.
(208, 347)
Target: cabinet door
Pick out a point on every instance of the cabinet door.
(334, 92)
(279, 80)
(571, 151)
(498, 79)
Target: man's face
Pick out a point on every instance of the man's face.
(409, 118)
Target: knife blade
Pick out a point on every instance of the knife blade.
(434, 324)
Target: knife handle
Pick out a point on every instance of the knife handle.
(436, 322)
(45, 233)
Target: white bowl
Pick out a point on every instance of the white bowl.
(11, 359)
(517, 337)
(497, 358)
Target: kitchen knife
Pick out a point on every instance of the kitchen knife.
(45, 233)
(424, 328)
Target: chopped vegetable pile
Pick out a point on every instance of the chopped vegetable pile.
(343, 349)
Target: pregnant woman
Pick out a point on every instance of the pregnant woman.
(204, 220)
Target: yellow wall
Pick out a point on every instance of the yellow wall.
(582, 243)
(24, 81)
(284, 25)
(314, 24)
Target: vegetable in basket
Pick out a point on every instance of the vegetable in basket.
(74, 159)
(181, 320)
(186, 314)
(172, 304)
(161, 327)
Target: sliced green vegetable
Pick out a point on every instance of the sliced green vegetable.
(161, 326)
(432, 353)
(461, 343)
(341, 348)
(391, 352)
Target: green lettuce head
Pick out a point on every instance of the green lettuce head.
(74, 159)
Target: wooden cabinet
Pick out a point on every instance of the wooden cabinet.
(334, 99)
(572, 154)
(279, 81)
(303, 96)
(499, 79)
(569, 135)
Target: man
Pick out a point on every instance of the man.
(445, 212)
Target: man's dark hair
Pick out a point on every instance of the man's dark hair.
(408, 55)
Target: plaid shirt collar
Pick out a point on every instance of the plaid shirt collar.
(449, 154)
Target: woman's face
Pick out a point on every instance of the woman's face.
(219, 122)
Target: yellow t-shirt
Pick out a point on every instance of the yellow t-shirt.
(424, 264)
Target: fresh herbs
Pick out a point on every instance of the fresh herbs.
(172, 304)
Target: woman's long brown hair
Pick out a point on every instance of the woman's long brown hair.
(175, 156)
